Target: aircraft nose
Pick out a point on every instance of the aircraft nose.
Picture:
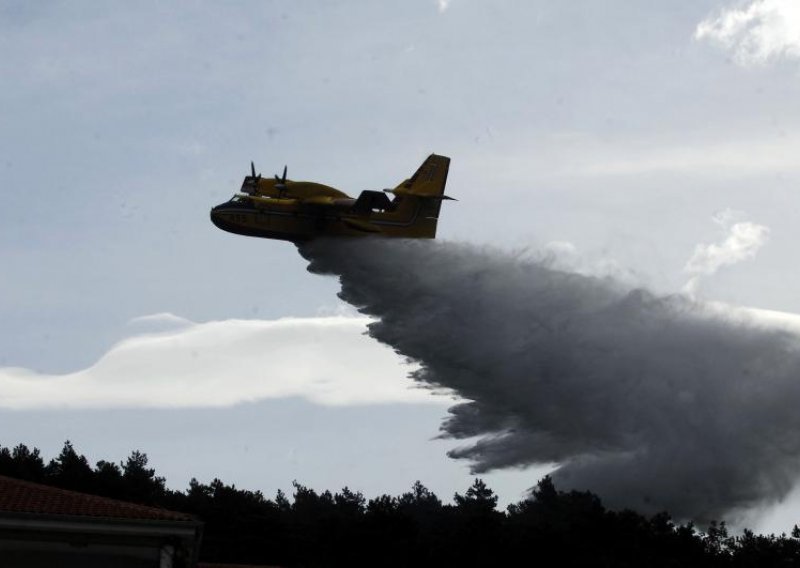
(216, 218)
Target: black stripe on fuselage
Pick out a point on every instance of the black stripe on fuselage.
(385, 222)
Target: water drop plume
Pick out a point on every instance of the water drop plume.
(653, 402)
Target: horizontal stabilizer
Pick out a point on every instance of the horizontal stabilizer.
(439, 197)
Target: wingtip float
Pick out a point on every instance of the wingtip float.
(299, 211)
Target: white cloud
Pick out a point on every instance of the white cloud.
(742, 241)
(588, 155)
(767, 319)
(156, 323)
(713, 157)
(762, 31)
(326, 360)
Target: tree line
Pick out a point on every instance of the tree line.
(416, 528)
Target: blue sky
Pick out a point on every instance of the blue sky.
(611, 132)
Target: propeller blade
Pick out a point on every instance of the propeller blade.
(284, 173)
(252, 169)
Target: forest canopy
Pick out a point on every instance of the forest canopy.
(416, 528)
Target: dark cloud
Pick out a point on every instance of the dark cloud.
(652, 402)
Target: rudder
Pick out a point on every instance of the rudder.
(429, 180)
(421, 195)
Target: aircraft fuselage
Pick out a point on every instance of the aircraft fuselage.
(298, 211)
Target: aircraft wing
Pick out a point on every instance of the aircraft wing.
(320, 200)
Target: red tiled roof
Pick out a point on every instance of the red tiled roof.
(17, 496)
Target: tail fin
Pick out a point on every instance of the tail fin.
(420, 197)
(429, 180)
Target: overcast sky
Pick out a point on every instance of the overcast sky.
(656, 141)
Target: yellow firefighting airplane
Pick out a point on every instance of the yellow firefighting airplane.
(302, 210)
